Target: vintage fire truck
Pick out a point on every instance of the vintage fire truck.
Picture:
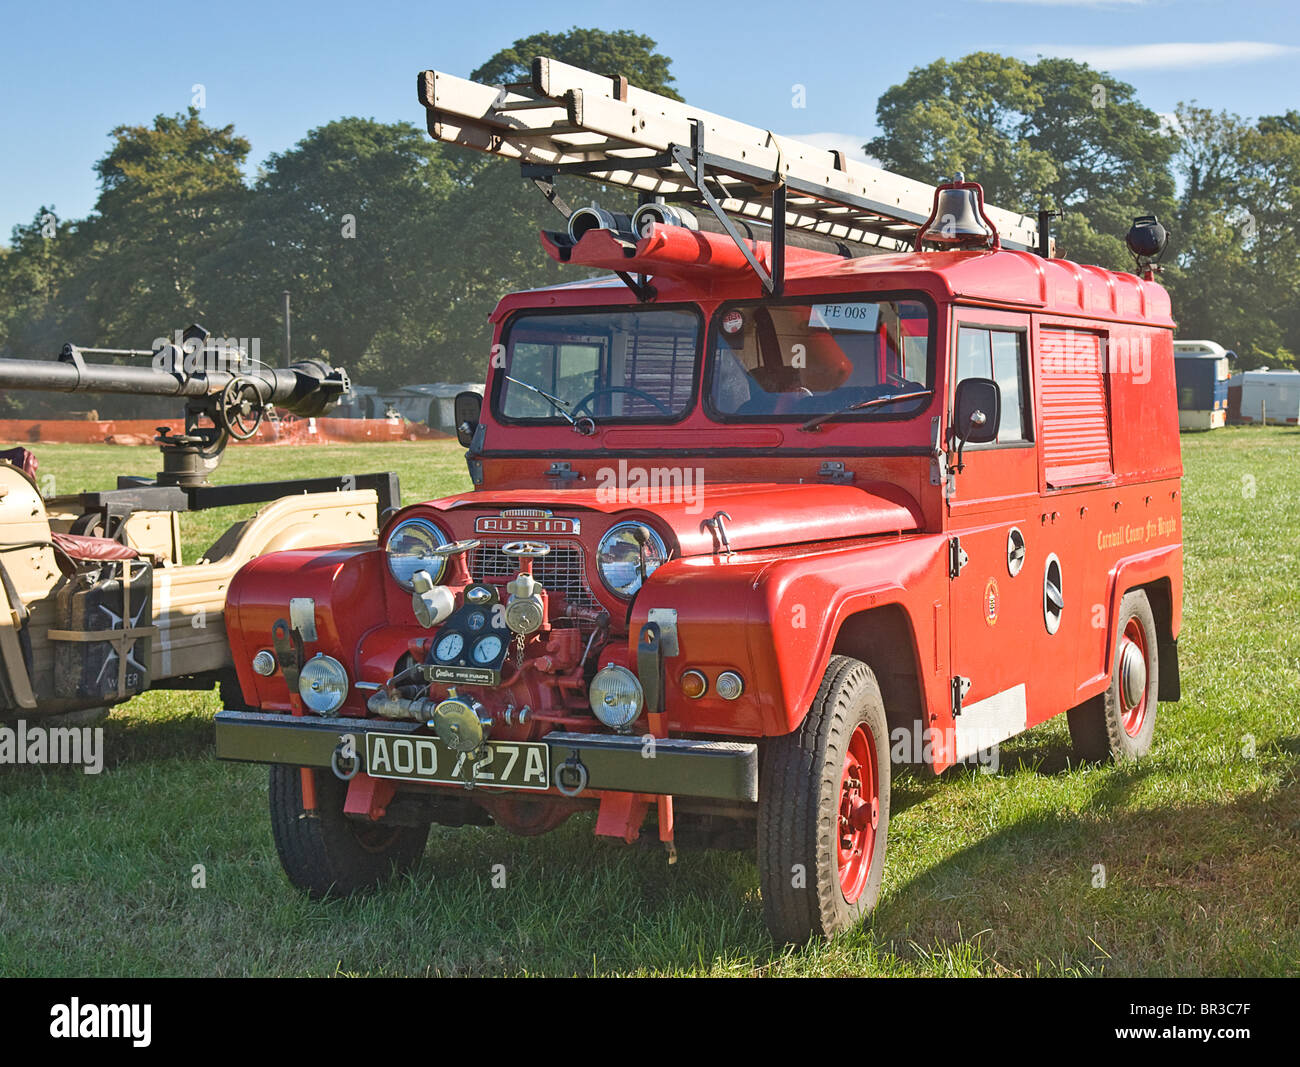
(828, 470)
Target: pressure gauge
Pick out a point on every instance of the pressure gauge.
(487, 650)
(476, 620)
(449, 647)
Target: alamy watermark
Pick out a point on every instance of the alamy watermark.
(195, 355)
(75, 1019)
(651, 485)
(44, 745)
(1085, 353)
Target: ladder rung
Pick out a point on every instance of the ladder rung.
(530, 105)
(543, 131)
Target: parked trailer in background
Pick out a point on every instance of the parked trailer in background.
(1201, 371)
(432, 404)
(1265, 396)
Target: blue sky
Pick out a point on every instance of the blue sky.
(71, 72)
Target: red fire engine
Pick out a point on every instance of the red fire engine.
(754, 517)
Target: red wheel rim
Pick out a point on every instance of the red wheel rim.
(1132, 651)
(859, 813)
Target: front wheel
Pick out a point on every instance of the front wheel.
(823, 810)
(324, 852)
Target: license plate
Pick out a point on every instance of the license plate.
(503, 764)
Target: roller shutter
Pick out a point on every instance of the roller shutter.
(1072, 397)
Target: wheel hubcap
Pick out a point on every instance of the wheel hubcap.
(859, 813)
(1133, 676)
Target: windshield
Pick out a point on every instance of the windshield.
(800, 360)
(600, 364)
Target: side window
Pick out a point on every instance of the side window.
(983, 352)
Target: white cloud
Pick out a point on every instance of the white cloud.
(1186, 55)
(1169, 122)
(848, 143)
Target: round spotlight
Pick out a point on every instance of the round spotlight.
(616, 696)
(730, 685)
(694, 684)
(1147, 238)
(323, 684)
(264, 663)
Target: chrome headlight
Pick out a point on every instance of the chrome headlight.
(618, 557)
(323, 684)
(616, 697)
(410, 549)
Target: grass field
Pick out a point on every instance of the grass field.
(987, 874)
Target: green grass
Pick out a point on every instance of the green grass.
(987, 874)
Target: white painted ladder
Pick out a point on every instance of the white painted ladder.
(571, 121)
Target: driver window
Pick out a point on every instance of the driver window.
(1000, 355)
(599, 363)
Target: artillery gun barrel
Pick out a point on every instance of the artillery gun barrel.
(308, 388)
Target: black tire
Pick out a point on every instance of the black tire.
(801, 789)
(1108, 728)
(327, 854)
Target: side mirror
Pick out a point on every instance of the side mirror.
(977, 411)
(466, 411)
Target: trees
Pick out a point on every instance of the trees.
(171, 196)
(616, 52)
(1111, 157)
(1235, 269)
(489, 244)
(348, 221)
(1055, 133)
(971, 115)
(1058, 133)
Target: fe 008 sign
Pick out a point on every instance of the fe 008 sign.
(861, 317)
(504, 764)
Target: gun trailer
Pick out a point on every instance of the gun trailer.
(96, 604)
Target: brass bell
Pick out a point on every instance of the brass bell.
(957, 217)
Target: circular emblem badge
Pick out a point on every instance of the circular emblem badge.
(991, 600)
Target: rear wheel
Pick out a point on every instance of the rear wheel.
(823, 810)
(1119, 724)
(324, 852)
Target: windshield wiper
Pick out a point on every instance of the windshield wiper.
(813, 423)
(555, 401)
(582, 424)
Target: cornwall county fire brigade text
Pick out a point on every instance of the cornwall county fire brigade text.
(1136, 534)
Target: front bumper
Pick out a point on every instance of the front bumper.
(722, 770)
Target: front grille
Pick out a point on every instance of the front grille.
(561, 573)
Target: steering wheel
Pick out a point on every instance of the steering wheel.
(618, 389)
